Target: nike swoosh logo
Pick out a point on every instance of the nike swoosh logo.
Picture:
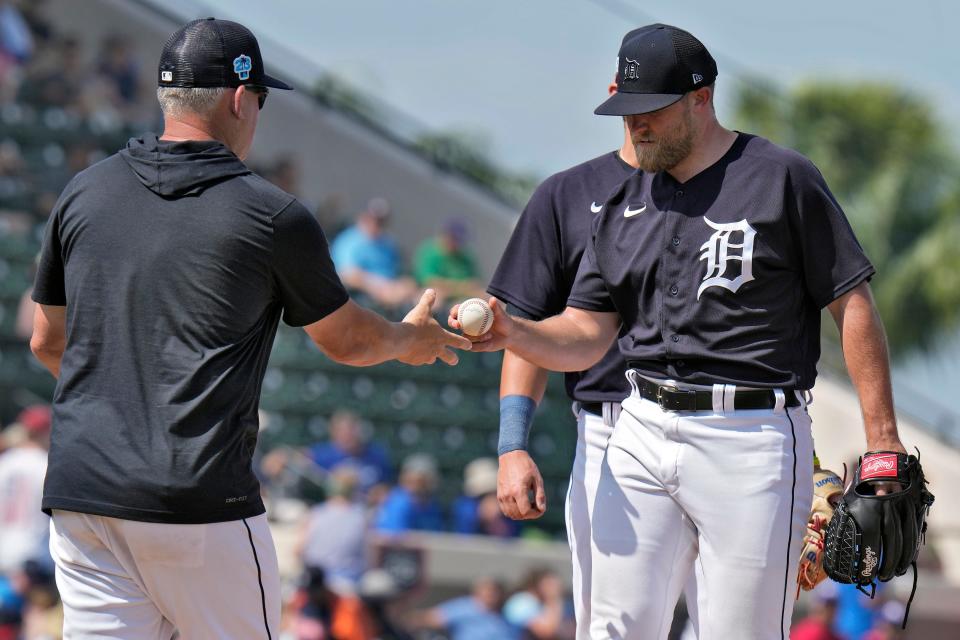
(595, 208)
(629, 213)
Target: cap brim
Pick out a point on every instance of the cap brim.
(627, 104)
(273, 83)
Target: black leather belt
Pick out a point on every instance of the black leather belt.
(674, 399)
(595, 408)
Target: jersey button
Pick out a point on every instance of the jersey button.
(679, 193)
(674, 290)
(675, 338)
(676, 241)
(681, 363)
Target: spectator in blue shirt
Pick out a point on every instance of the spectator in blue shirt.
(412, 505)
(367, 258)
(540, 608)
(347, 447)
(473, 617)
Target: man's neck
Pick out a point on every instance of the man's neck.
(713, 144)
(180, 130)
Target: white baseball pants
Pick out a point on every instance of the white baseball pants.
(728, 489)
(593, 431)
(150, 581)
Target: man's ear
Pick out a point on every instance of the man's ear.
(702, 96)
(236, 103)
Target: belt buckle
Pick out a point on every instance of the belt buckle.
(675, 391)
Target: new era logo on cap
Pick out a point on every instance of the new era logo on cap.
(166, 76)
(697, 78)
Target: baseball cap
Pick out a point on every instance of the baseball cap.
(456, 229)
(378, 208)
(213, 53)
(480, 477)
(36, 418)
(657, 64)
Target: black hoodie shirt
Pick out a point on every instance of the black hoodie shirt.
(175, 264)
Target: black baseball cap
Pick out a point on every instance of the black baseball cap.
(656, 66)
(213, 53)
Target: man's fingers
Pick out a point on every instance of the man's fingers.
(452, 317)
(523, 502)
(428, 298)
(508, 507)
(449, 357)
(458, 342)
(541, 494)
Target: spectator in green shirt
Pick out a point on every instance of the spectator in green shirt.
(443, 263)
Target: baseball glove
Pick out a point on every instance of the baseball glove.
(875, 537)
(827, 491)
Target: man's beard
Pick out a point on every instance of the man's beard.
(669, 150)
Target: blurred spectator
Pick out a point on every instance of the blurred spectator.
(412, 505)
(368, 260)
(12, 182)
(888, 623)
(42, 614)
(334, 534)
(16, 46)
(477, 511)
(285, 173)
(16, 41)
(329, 213)
(117, 64)
(382, 597)
(347, 446)
(818, 625)
(444, 263)
(473, 617)
(538, 609)
(856, 612)
(23, 466)
(319, 613)
(56, 82)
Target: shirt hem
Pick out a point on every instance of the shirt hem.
(150, 515)
(589, 305)
(523, 305)
(319, 315)
(864, 274)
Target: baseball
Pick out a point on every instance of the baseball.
(475, 317)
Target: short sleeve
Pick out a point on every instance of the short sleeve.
(306, 281)
(527, 275)
(589, 290)
(49, 288)
(832, 259)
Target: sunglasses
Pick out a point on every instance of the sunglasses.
(262, 93)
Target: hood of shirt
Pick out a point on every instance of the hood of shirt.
(175, 169)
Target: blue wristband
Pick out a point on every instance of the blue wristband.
(516, 418)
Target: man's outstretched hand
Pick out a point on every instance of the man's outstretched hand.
(429, 340)
(497, 338)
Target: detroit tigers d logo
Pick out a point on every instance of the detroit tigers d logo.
(721, 249)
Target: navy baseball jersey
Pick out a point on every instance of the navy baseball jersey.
(539, 266)
(721, 279)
